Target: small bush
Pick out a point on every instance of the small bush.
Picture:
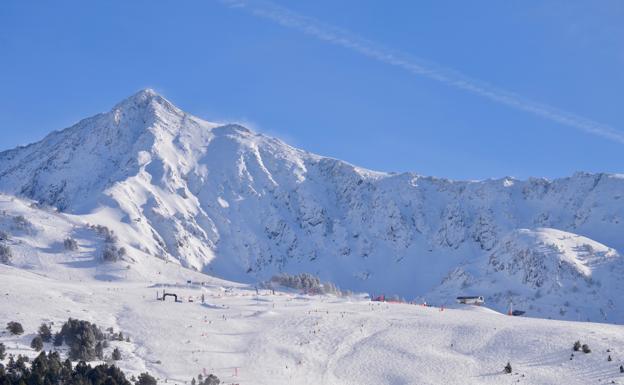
(586, 349)
(45, 333)
(108, 234)
(15, 328)
(211, 379)
(111, 237)
(577, 346)
(146, 379)
(117, 337)
(70, 244)
(20, 222)
(112, 254)
(37, 343)
(507, 368)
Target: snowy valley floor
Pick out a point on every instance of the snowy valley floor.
(287, 338)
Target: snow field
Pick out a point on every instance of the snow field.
(288, 338)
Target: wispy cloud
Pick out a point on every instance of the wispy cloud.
(416, 66)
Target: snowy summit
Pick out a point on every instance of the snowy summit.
(222, 199)
(161, 236)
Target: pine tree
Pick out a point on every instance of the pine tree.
(116, 354)
(81, 337)
(577, 346)
(45, 333)
(2, 351)
(70, 244)
(211, 379)
(99, 350)
(37, 343)
(508, 368)
(15, 328)
(49, 370)
(58, 339)
(6, 255)
(146, 379)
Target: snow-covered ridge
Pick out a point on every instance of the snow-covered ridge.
(242, 205)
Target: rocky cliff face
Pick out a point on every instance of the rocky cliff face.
(226, 200)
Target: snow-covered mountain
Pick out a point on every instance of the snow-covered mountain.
(223, 199)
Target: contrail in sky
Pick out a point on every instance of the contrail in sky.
(416, 66)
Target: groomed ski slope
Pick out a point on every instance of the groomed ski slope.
(288, 338)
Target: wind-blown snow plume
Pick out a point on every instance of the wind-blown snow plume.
(416, 66)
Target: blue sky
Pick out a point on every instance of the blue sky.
(62, 61)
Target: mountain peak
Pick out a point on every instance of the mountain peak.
(148, 92)
(146, 99)
(144, 94)
(221, 199)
